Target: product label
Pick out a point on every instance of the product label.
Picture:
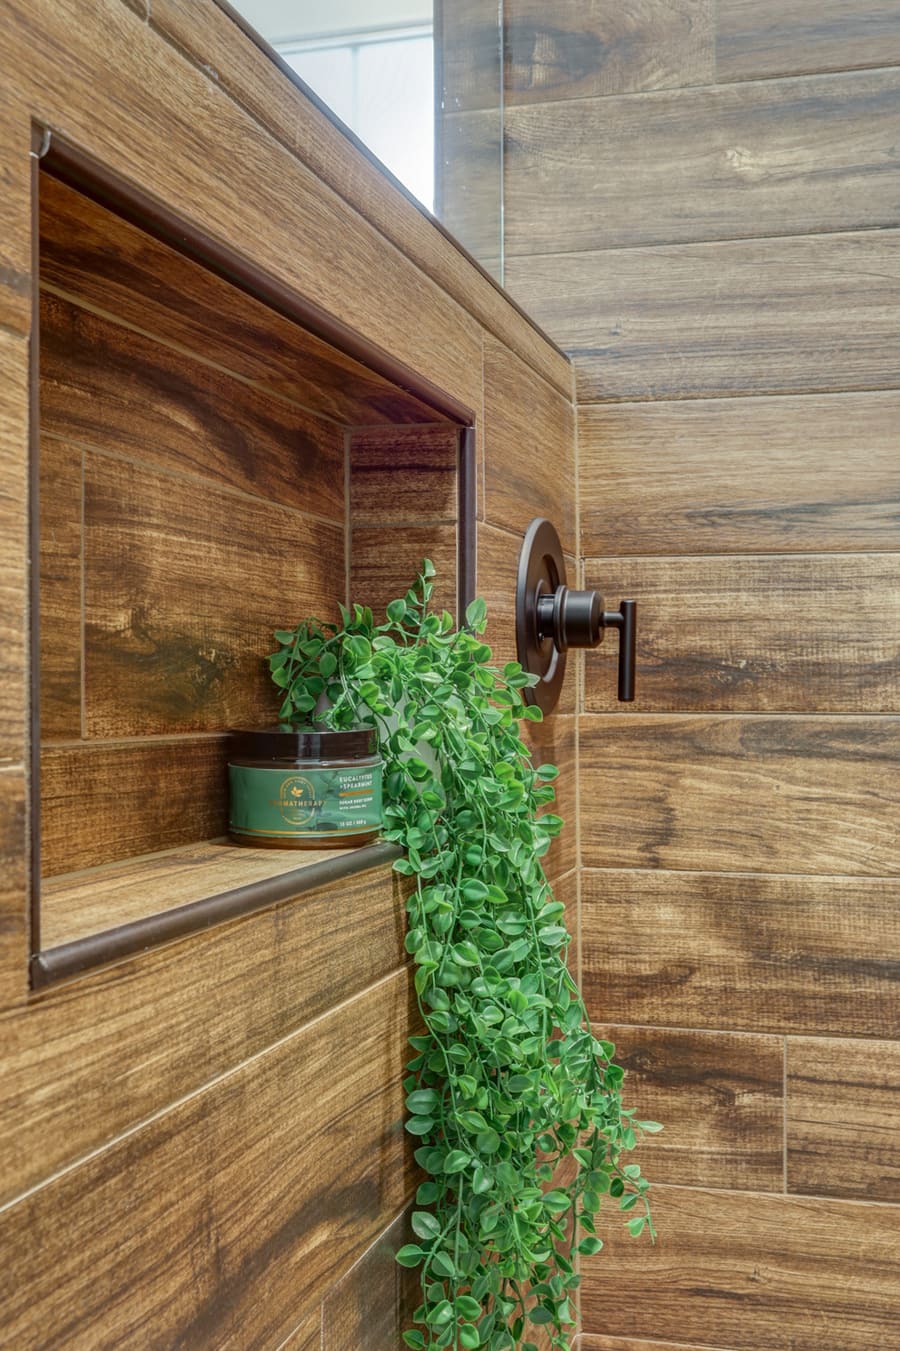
(312, 803)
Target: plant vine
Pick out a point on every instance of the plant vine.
(516, 1105)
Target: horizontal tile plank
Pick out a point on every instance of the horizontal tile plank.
(13, 888)
(789, 474)
(529, 448)
(59, 535)
(763, 794)
(183, 589)
(306, 1337)
(778, 157)
(13, 546)
(554, 741)
(15, 215)
(843, 1118)
(384, 564)
(232, 179)
(784, 315)
(813, 634)
(363, 1309)
(200, 28)
(403, 475)
(101, 261)
(583, 49)
(763, 954)
(229, 1206)
(86, 1062)
(115, 390)
(755, 1273)
(589, 1342)
(101, 803)
(758, 38)
(720, 1099)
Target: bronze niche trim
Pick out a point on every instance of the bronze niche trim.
(81, 171)
(39, 142)
(465, 517)
(112, 945)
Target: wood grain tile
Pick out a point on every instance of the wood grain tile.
(403, 475)
(233, 179)
(588, 1342)
(306, 1337)
(554, 741)
(813, 634)
(720, 1098)
(15, 215)
(843, 1118)
(174, 1233)
(100, 898)
(183, 589)
(363, 1309)
(585, 48)
(60, 508)
(469, 41)
(783, 315)
(384, 563)
(13, 888)
(200, 28)
(112, 389)
(92, 1059)
(470, 185)
(778, 157)
(529, 446)
(716, 476)
(100, 803)
(101, 261)
(13, 546)
(764, 794)
(764, 954)
(756, 38)
(498, 561)
(755, 1273)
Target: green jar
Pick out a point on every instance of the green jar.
(304, 787)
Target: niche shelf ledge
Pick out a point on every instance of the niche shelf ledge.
(105, 914)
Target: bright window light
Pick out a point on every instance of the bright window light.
(381, 83)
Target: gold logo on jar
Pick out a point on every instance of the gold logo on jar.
(297, 801)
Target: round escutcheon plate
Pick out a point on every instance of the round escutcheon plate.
(542, 569)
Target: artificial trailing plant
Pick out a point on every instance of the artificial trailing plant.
(516, 1105)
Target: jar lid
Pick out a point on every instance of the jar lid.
(287, 741)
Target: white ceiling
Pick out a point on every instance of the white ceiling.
(280, 20)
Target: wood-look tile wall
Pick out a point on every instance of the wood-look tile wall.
(701, 207)
(202, 1145)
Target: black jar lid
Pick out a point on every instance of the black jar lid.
(288, 741)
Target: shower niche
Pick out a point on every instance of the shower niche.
(213, 458)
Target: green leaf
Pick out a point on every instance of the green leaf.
(476, 614)
(285, 637)
(425, 1225)
(456, 1161)
(410, 1255)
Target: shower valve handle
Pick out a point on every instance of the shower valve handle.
(578, 619)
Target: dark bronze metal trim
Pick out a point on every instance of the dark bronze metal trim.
(71, 165)
(259, 41)
(465, 524)
(112, 945)
(38, 147)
